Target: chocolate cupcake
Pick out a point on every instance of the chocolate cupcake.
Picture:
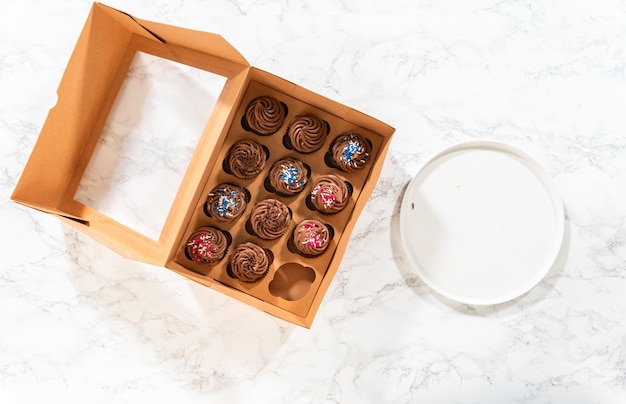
(245, 159)
(207, 246)
(306, 133)
(269, 219)
(264, 115)
(287, 177)
(310, 238)
(330, 194)
(249, 262)
(350, 152)
(226, 202)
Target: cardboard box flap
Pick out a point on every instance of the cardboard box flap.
(295, 283)
(95, 64)
(56, 212)
(203, 42)
(125, 20)
(87, 81)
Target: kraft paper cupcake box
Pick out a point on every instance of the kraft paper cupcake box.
(295, 286)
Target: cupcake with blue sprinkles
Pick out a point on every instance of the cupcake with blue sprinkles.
(226, 202)
(349, 152)
(288, 177)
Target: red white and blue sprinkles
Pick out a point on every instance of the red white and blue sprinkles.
(315, 236)
(202, 247)
(291, 176)
(227, 203)
(353, 152)
(326, 194)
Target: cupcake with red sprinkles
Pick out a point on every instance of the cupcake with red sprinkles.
(310, 238)
(207, 246)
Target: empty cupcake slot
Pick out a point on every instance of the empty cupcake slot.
(292, 281)
(147, 142)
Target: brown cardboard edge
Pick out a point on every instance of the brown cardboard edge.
(71, 120)
(200, 41)
(55, 134)
(369, 187)
(242, 297)
(54, 212)
(160, 251)
(201, 164)
(359, 119)
(123, 241)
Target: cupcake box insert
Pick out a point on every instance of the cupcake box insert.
(295, 285)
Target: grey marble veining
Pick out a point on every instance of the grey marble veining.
(81, 324)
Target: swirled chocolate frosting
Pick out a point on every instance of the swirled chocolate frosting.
(265, 115)
(270, 219)
(249, 262)
(246, 159)
(311, 237)
(207, 245)
(329, 194)
(350, 152)
(226, 202)
(288, 176)
(307, 133)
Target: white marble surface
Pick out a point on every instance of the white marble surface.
(147, 142)
(80, 324)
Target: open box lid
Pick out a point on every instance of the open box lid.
(93, 76)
